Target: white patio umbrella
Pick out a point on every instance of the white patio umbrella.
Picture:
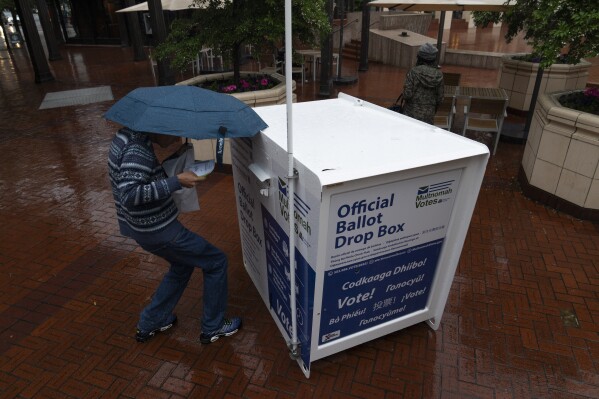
(441, 5)
(167, 5)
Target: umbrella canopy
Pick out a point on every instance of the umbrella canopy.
(186, 111)
(436, 5)
(443, 5)
(167, 5)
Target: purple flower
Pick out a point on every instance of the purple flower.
(229, 89)
(228, 86)
(592, 92)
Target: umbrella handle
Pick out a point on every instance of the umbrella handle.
(220, 149)
(220, 145)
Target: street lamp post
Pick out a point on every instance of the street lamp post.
(165, 74)
(342, 80)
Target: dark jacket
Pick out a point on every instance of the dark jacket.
(423, 92)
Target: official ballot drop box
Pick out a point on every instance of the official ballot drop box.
(382, 207)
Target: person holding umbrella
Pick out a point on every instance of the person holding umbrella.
(147, 213)
(145, 208)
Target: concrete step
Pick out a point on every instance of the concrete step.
(351, 50)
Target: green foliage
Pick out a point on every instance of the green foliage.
(226, 25)
(552, 27)
(357, 5)
(10, 4)
(7, 5)
(483, 18)
(535, 59)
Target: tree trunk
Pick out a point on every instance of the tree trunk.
(236, 62)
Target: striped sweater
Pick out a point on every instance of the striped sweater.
(141, 189)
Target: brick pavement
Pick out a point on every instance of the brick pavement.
(521, 321)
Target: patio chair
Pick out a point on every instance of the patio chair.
(485, 115)
(275, 67)
(445, 113)
(298, 69)
(205, 61)
(279, 67)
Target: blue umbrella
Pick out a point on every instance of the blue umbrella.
(186, 111)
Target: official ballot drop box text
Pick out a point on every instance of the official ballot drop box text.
(382, 208)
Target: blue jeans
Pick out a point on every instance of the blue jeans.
(185, 251)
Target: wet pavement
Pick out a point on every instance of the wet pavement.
(521, 321)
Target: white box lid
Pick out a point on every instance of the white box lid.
(347, 138)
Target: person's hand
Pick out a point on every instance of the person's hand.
(189, 179)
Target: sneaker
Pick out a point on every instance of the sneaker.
(143, 336)
(230, 327)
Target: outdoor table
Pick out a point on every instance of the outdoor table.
(469, 94)
(315, 55)
(482, 92)
(451, 91)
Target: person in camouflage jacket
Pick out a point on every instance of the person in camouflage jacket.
(423, 89)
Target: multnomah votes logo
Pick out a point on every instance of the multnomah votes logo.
(434, 194)
(301, 206)
(300, 213)
(283, 186)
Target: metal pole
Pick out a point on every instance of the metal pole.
(341, 18)
(345, 80)
(364, 38)
(326, 57)
(440, 35)
(293, 347)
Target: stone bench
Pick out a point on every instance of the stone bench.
(474, 59)
(391, 48)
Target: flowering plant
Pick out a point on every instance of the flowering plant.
(592, 92)
(585, 101)
(536, 59)
(250, 83)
